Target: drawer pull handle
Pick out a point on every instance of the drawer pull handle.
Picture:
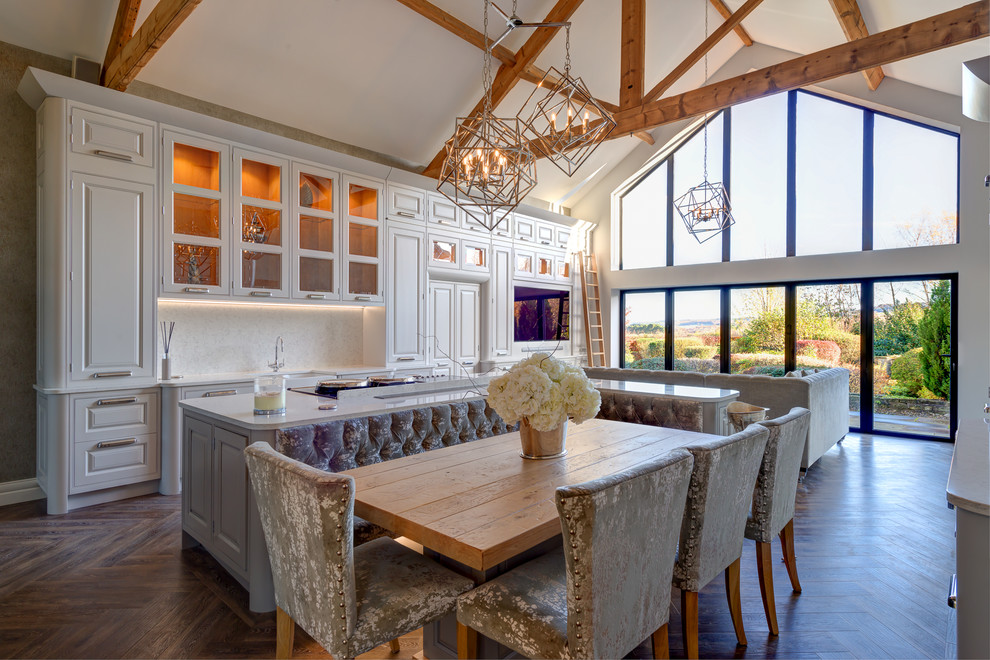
(113, 374)
(405, 214)
(363, 298)
(106, 444)
(114, 155)
(467, 364)
(442, 364)
(501, 352)
(262, 294)
(405, 359)
(317, 296)
(220, 393)
(120, 401)
(196, 289)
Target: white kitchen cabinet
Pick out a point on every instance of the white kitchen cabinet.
(562, 269)
(562, 236)
(196, 207)
(470, 223)
(405, 203)
(467, 325)
(315, 233)
(500, 307)
(440, 340)
(524, 264)
(112, 137)
(261, 237)
(545, 234)
(475, 255)
(112, 279)
(503, 228)
(524, 229)
(544, 266)
(405, 334)
(442, 211)
(444, 251)
(363, 239)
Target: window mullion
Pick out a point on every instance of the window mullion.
(791, 174)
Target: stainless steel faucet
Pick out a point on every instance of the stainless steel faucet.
(276, 365)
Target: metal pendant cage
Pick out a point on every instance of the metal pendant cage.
(488, 166)
(563, 121)
(705, 210)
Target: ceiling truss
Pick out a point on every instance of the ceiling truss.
(127, 54)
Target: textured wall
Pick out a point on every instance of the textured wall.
(235, 338)
(17, 262)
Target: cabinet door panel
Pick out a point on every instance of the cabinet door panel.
(467, 335)
(197, 478)
(441, 331)
(229, 496)
(502, 301)
(406, 310)
(112, 272)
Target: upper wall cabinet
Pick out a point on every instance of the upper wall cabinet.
(442, 211)
(196, 205)
(405, 203)
(260, 225)
(524, 229)
(112, 138)
(315, 234)
(363, 239)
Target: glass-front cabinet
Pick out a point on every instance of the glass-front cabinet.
(363, 239)
(315, 262)
(261, 240)
(195, 204)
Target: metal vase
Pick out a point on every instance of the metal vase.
(542, 444)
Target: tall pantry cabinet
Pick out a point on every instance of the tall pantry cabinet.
(97, 397)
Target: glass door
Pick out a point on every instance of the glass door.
(195, 208)
(363, 240)
(315, 272)
(262, 264)
(912, 357)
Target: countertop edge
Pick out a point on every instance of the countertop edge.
(968, 486)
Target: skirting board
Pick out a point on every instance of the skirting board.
(24, 490)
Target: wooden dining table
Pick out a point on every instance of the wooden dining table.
(483, 506)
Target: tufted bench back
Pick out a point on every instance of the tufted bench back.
(651, 410)
(345, 444)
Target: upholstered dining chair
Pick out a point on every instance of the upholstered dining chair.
(608, 588)
(348, 599)
(773, 501)
(718, 504)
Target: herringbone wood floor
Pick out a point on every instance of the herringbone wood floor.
(874, 543)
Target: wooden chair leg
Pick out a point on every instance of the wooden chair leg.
(467, 642)
(689, 622)
(735, 607)
(393, 645)
(661, 646)
(285, 630)
(787, 541)
(764, 565)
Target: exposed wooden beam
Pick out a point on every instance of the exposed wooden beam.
(507, 76)
(161, 24)
(645, 137)
(632, 53)
(123, 29)
(716, 36)
(739, 30)
(958, 26)
(853, 26)
(456, 26)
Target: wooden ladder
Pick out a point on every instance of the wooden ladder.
(593, 334)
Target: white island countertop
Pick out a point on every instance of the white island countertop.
(689, 392)
(969, 474)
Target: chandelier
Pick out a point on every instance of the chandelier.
(488, 166)
(565, 124)
(705, 208)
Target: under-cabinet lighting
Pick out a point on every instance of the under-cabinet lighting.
(266, 305)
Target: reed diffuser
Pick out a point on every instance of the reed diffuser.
(167, 328)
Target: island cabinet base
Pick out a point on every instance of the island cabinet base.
(973, 580)
(218, 507)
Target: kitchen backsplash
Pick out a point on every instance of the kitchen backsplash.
(224, 338)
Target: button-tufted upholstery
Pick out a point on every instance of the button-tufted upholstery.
(651, 410)
(773, 501)
(348, 599)
(610, 586)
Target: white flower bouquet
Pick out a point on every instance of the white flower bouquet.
(545, 391)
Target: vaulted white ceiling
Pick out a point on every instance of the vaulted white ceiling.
(375, 74)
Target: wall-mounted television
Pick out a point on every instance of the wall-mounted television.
(541, 314)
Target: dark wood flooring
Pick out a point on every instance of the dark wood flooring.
(874, 540)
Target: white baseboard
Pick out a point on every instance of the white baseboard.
(24, 490)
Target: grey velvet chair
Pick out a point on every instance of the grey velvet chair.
(348, 599)
(773, 501)
(608, 588)
(718, 504)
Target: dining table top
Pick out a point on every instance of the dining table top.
(481, 503)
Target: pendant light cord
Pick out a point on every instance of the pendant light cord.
(486, 73)
(704, 3)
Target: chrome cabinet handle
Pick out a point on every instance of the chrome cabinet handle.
(501, 352)
(196, 289)
(106, 444)
(467, 364)
(113, 374)
(405, 214)
(220, 393)
(262, 294)
(317, 296)
(116, 402)
(405, 359)
(114, 155)
(363, 298)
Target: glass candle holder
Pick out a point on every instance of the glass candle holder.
(269, 394)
